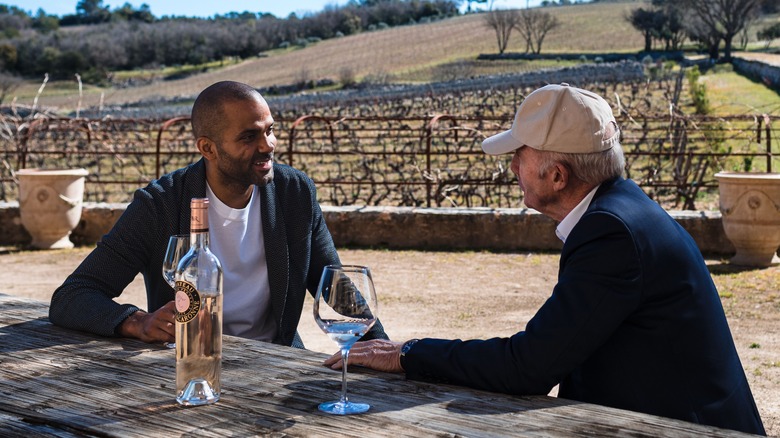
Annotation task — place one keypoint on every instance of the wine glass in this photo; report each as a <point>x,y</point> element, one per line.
<point>345,308</point>
<point>178,245</point>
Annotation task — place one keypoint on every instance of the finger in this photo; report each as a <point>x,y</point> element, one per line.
<point>167,317</point>
<point>157,329</point>
<point>333,359</point>
<point>167,311</point>
<point>169,329</point>
<point>165,333</point>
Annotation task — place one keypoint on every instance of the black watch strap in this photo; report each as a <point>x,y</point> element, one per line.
<point>405,349</point>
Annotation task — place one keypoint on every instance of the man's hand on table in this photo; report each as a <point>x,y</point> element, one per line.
<point>158,326</point>
<point>377,354</point>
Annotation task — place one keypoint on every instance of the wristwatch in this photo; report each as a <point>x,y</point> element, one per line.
<point>405,349</point>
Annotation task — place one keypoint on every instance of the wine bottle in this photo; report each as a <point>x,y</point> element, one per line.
<point>198,315</point>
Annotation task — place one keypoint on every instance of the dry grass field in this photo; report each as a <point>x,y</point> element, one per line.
<point>411,51</point>
<point>416,53</point>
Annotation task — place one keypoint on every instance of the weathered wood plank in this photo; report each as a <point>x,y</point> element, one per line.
<point>66,383</point>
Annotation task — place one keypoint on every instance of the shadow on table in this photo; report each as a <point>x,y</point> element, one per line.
<point>395,395</point>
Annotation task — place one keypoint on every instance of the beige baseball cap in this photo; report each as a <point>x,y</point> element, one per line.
<point>559,118</point>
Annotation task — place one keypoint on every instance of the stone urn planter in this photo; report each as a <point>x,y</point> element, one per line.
<point>50,203</point>
<point>750,210</point>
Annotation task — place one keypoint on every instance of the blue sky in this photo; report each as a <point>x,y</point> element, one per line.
<point>207,8</point>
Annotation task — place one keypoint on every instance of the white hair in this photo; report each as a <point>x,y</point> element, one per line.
<point>593,168</point>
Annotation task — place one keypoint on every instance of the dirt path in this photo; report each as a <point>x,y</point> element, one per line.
<point>474,295</point>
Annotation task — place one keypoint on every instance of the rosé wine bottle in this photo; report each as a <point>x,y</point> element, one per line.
<point>198,315</point>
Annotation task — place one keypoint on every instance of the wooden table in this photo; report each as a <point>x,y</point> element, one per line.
<point>55,381</point>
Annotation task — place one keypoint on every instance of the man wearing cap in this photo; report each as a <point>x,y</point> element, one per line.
<point>634,322</point>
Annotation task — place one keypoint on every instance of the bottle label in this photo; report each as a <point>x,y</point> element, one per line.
<point>187,301</point>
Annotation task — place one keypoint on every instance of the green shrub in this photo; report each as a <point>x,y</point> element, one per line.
<point>698,91</point>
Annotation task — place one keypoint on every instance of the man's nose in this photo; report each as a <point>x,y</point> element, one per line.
<point>266,144</point>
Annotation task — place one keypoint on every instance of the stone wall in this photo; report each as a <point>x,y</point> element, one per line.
<point>767,74</point>
<point>622,71</point>
<point>509,229</point>
<point>608,57</point>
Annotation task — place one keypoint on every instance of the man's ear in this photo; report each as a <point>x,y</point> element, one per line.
<point>206,147</point>
<point>560,176</point>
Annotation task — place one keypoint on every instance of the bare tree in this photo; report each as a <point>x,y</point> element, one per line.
<point>698,31</point>
<point>534,26</point>
<point>502,22</point>
<point>725,18</point>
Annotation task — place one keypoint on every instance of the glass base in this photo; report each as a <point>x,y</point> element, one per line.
<point>341,408</point>
<point>197,392</point>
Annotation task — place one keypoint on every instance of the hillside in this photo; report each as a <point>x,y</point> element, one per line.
<point>402,53</point>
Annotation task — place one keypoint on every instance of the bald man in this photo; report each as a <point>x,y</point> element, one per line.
<point>266,227</point>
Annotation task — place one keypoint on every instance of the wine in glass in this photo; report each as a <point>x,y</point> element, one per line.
<point>178,245</point>
<point>345,308</point>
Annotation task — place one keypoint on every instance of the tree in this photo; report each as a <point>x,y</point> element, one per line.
<point>770,6</point>
<point>671,28</point>
<point>8,83</point>
<point>45,23</point>
<point>645,21</point>
<point>769,33</point>
<point>502,22</point>
<point>92,11</point>
<point>534,26</point>
<point>469,2</point>
<point>89,7</point>
<point>8,56</point>
<point>128,13</point>
<point>724,19</point>
<point>698,31</point>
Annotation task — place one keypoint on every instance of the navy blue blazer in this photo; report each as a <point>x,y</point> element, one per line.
<point>634,322</point>
<point>297,242</point>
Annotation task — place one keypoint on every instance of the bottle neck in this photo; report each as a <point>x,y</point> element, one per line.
<point>199,225</point>
<point>199,239</point>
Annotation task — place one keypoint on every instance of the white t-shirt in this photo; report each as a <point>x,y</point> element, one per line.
<point>236,238</point>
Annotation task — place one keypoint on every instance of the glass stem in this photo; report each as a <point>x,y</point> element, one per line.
<point>344,357</point>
